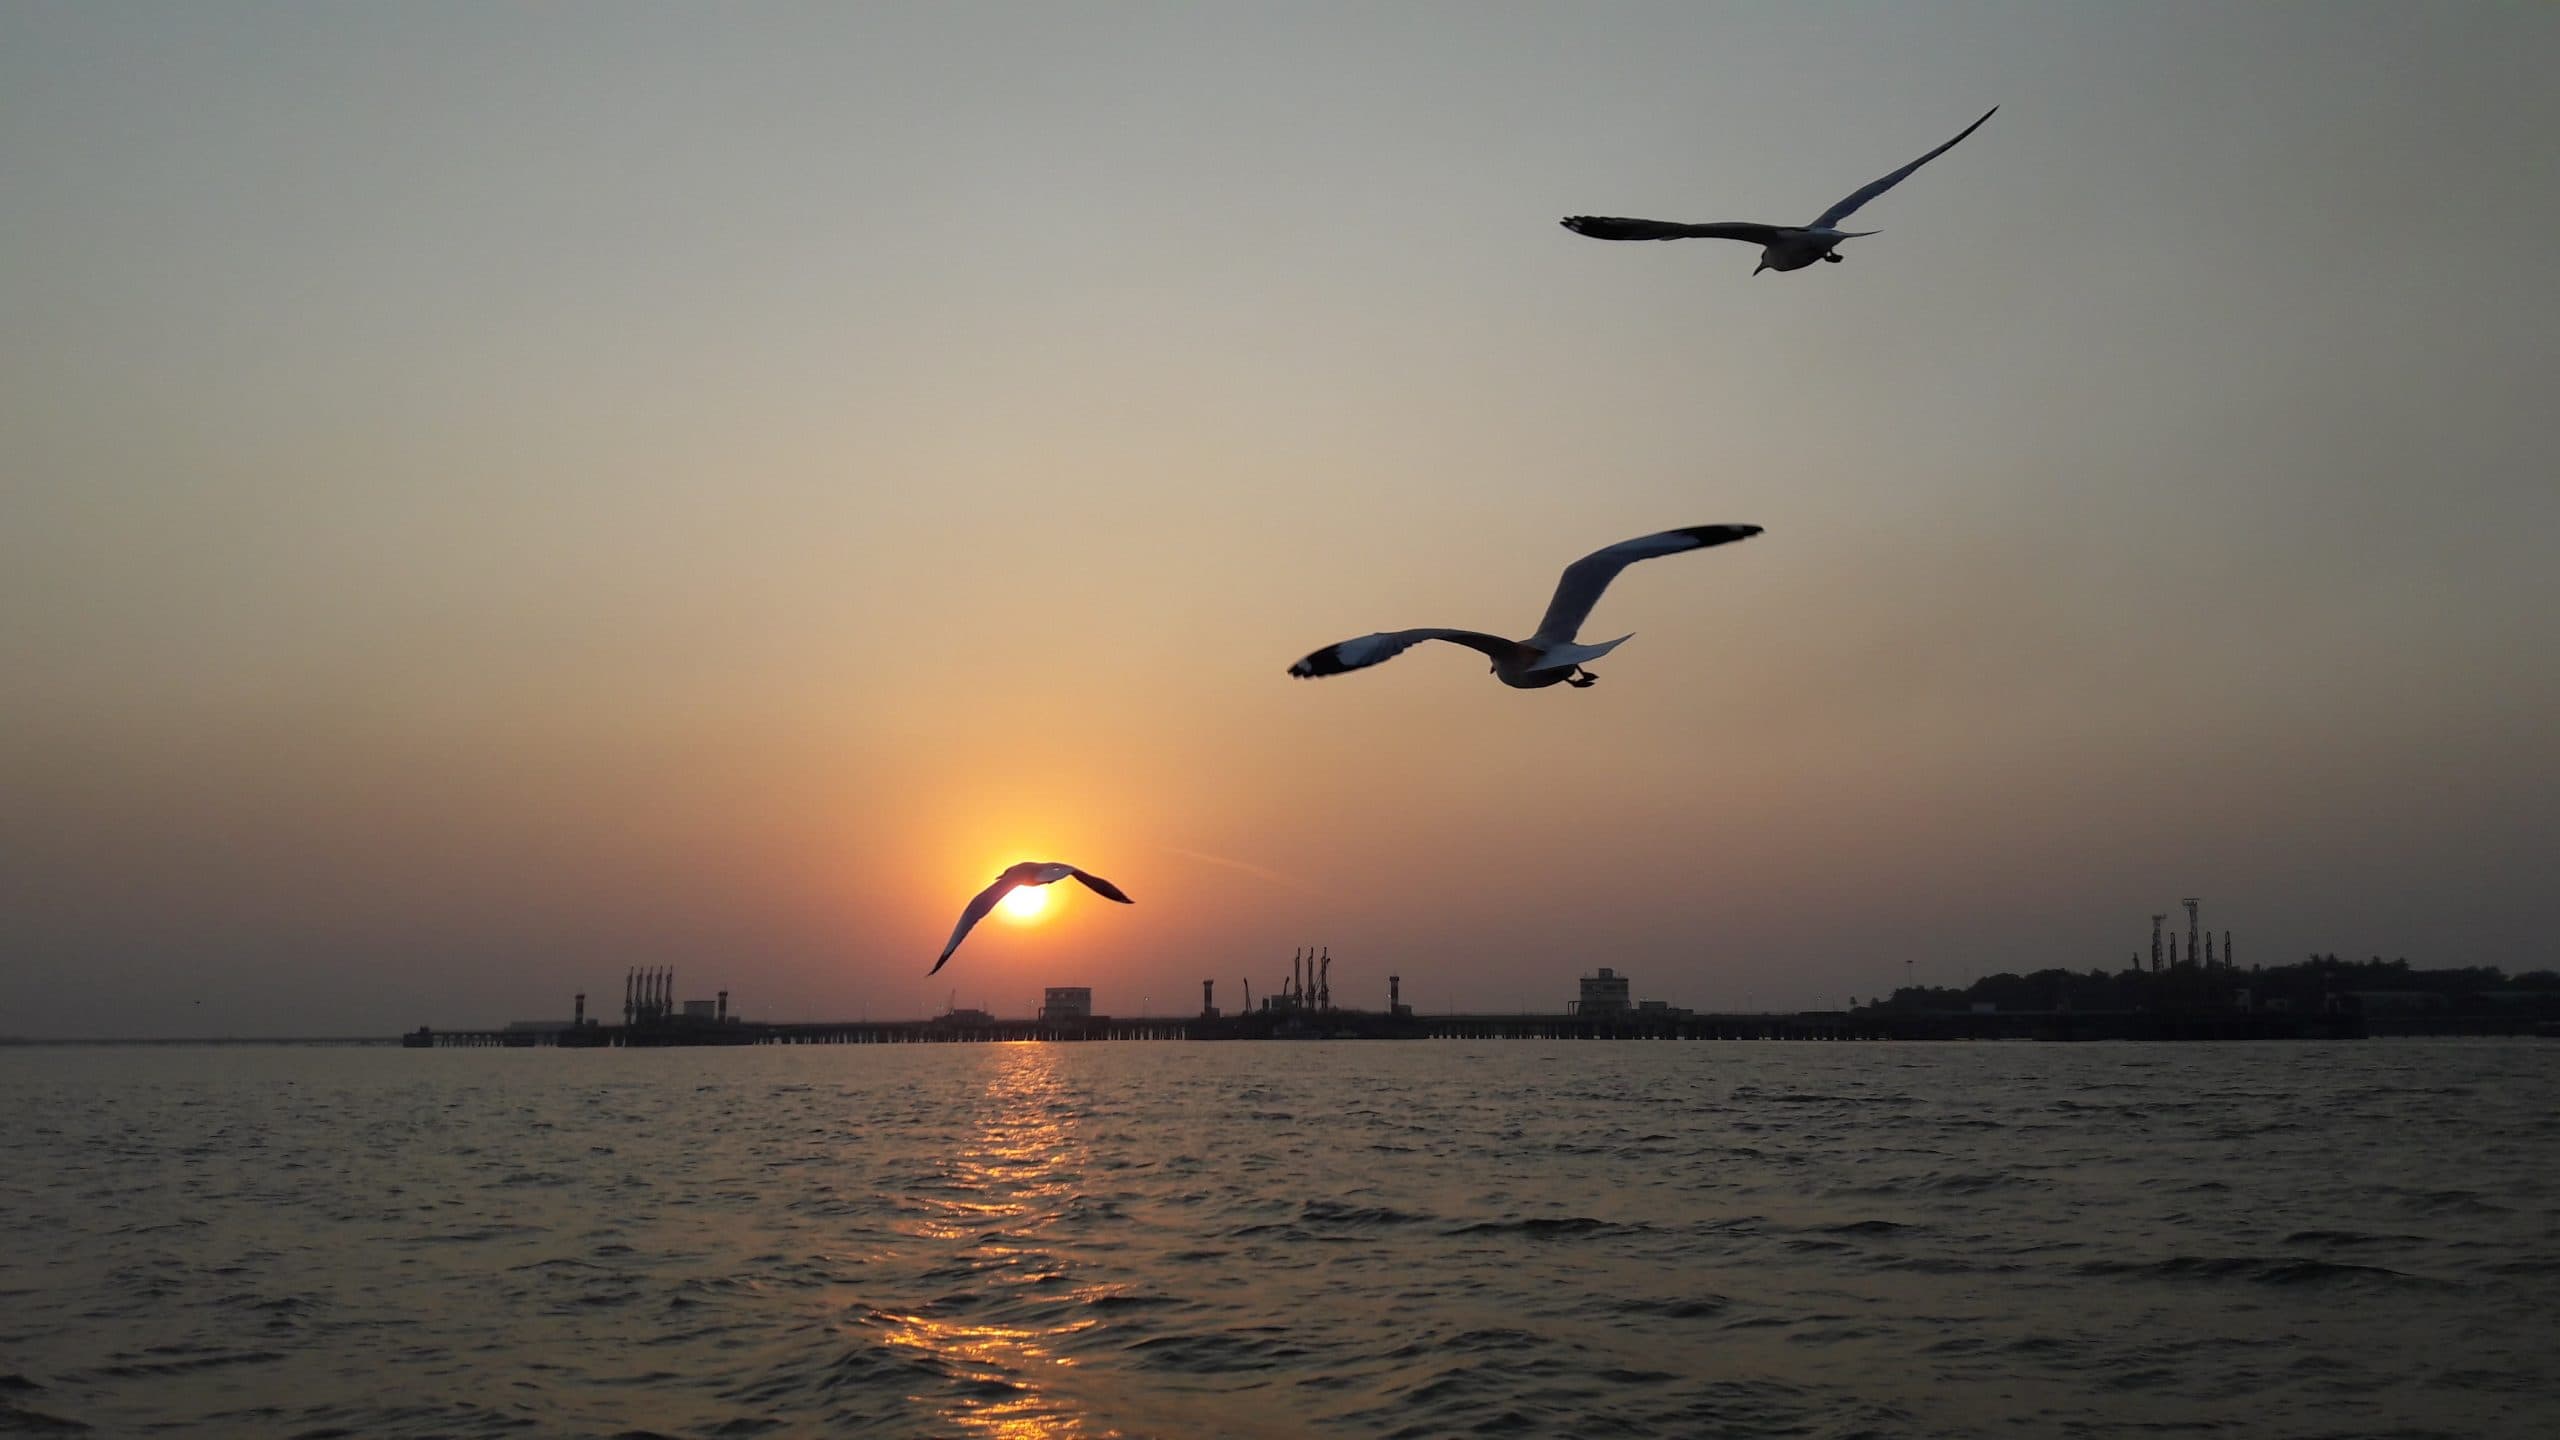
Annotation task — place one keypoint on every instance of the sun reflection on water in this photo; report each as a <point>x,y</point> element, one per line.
<point>997,1195</point>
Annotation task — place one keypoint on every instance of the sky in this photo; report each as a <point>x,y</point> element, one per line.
<point>493,495</point>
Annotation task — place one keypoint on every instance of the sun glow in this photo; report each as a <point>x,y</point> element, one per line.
<point>1025,902</point>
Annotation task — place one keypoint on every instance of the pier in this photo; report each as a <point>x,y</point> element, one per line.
<point>1831,1025</point>
<point>1301,1007</point>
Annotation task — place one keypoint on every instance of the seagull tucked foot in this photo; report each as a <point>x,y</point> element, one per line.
<point>1833,257</point>
<point>1581,679</point>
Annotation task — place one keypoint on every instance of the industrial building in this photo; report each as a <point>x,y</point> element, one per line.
<point>652,1015</point>
<point>1603,996</point>
<point>1067,1002</point>
<point>2199,944</point>
<point>1308,990</point>
<point>649,996</point>
<point>1607,995</point>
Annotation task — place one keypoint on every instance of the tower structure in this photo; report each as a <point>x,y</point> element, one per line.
<point>2195,951</point>
<point>2156,922</point>
<point>1324,980</point>
<point>2227,962</point>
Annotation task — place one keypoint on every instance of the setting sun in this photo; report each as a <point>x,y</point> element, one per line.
<point>1025,902</point>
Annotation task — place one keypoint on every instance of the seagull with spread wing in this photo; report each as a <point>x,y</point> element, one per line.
<point>1552,655</point>
<point>1029,872</point>
<point>1782,247</point>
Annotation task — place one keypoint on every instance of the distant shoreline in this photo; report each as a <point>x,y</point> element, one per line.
<point>2374,1030</point>
<point>36,1042</point>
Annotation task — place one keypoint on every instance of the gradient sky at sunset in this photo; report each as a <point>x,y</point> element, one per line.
<point>493,494</point>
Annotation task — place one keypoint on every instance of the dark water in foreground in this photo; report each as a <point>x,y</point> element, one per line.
<point>1357,1239</point>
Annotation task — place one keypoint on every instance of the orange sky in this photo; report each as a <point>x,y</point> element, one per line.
<point>500,497</point>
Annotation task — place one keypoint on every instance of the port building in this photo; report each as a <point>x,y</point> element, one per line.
<point>1603,995</point>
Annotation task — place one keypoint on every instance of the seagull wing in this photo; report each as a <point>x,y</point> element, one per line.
<point>1585,579</point>
<point>1848,207</point>
<point>1100,886</point>
<point>969,918</point>
<point>1386,644</point>
<point>1612,227</point>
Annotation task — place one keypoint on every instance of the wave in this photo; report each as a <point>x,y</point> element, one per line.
<point>2253,1269</point>
<point>1330,1212</point>
<point>1545,1227</point>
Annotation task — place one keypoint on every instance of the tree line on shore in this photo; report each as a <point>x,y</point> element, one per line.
<point>2312,983</point>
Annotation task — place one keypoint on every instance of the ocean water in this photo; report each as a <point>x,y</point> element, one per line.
<point>1340,1239</point>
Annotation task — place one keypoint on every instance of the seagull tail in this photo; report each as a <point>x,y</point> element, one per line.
<point>1580,654</point>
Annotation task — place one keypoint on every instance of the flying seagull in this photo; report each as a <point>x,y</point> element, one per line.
<point>1029,872</point>
<point>1552,654</point>
<point>1782,247</point>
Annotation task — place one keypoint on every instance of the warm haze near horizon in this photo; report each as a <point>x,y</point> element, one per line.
<point>496,495</point>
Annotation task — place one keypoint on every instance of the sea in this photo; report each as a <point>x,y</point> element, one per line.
<point>1358,1238</point>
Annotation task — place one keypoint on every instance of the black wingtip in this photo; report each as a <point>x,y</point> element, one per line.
<point>1720,534</point>
<point>1105,888</point>
<point>1327,661</point>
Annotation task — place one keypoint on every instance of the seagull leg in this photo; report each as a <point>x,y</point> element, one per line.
<point>1581,679</point>
<point>1832,256</point>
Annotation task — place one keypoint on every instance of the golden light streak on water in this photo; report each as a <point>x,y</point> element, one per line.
<point>1025,1156</point>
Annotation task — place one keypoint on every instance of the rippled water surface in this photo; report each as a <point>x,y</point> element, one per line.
<point>1354,1239</point>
